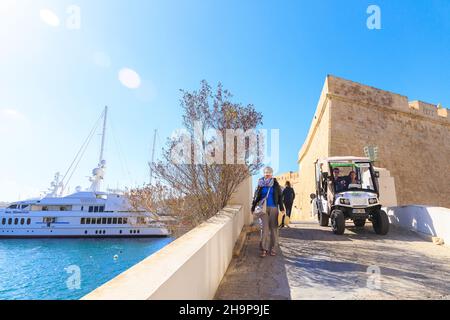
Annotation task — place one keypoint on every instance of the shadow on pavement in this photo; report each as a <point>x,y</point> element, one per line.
<point>250,277</point>
<point>318,259</point>
<point>351,233</point>
<point>313,263</point>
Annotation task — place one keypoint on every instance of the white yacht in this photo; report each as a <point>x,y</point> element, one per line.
<point>83,214</point>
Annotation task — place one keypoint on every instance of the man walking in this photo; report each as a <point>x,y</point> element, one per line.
<point>288,198</point>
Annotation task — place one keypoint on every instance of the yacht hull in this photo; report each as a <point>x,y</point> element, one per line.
<point>21,224</point>
<point>84,233</point>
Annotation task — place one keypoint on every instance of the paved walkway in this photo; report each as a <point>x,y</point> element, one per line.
<point>313,263</point>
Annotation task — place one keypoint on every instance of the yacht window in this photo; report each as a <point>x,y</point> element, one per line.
<point>99,220</point>
<point>24,206</point>
<point>96,209</point>
<point>141,220</point>
<point>13,206</point>
<point>109,220</point>
<point>49,220</point>
<point>101,209</point>
<point>91,208</point>
<point>16,220</point>
<point>88,220</point>
<point>28,221</point>
<point>9,221</point>
<point>125,220</point>
<point>82,208</point>
<point>57,208</point>
<point>120,221</point>
<point>4,221</point>
<point>103,220</point>
<point>114,220</point>
<point>22,221</point>
<point>83,221</point>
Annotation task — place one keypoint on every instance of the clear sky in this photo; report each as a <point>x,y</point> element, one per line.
<point>55,81</point>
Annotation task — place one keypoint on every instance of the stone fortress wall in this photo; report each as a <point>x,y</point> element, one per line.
<point>410,139</point>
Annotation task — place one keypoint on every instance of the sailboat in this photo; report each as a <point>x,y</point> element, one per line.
<point>91,213</point>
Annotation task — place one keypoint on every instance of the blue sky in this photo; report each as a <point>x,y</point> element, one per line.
<point>55,81</point>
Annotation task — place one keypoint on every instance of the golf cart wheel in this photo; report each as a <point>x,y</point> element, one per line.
<point>323,219</point>
<point>380,223</point>
<point>338,222</point>
<point>359,223</point>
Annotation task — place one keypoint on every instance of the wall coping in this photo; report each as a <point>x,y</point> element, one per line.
<point>411,113</point>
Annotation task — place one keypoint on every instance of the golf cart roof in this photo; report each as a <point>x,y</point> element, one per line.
<point>346,159</point>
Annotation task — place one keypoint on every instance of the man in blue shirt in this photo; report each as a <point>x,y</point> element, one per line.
<point>340,183</point>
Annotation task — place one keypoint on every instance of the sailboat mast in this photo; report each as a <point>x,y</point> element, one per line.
<point>153,157</point>
<point>103,134</point>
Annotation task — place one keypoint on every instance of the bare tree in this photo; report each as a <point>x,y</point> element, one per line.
<point>196,188</point>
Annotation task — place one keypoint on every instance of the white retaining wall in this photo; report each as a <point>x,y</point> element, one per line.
<point>190,267</point>
<point>432,221</point>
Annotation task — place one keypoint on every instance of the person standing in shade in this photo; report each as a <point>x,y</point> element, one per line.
<point>288,198</point>
<point>268,187</point>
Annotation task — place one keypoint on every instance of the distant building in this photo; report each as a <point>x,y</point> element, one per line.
<point>293,178</point>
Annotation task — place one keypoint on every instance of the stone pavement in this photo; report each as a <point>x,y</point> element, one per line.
<point>313,263</point>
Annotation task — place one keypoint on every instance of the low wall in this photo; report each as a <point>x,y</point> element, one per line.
<point>386,185</point>
<point>243,197</point>
<point>432,221</point>
<point>189,268</point>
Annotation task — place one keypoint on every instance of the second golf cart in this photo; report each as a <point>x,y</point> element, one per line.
<point>347,189</point>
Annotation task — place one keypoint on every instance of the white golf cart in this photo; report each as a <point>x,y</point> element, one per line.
<point>347,189</point>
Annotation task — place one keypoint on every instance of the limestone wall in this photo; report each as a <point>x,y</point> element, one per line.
<point>386,187</point>
<point>410,139</point>
<point>293,178</point>
<point>316,146</point>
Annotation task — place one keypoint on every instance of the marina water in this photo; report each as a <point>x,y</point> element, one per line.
<point>43,269</point>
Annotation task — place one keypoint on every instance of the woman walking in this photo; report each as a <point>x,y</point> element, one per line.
<point>269,190</point>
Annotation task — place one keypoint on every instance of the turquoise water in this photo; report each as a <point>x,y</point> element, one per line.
<point>41,269</point>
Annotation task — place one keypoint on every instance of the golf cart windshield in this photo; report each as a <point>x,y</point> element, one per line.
<point>354,176</point>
